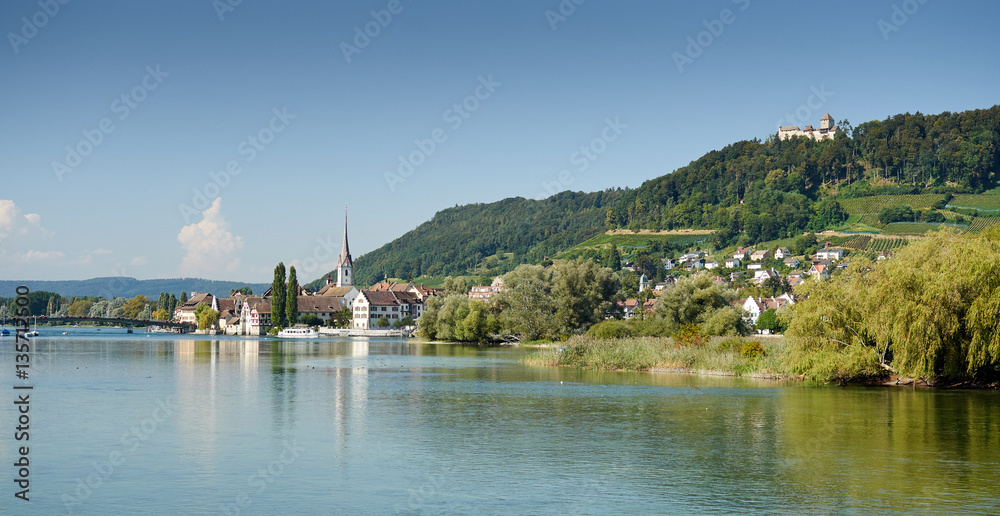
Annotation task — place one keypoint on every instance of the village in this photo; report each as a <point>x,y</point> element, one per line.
<point>341,308</point>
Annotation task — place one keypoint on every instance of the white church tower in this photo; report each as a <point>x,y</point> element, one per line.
<point>345,266</point>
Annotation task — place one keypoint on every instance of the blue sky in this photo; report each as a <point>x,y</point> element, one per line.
<point>163,105</point>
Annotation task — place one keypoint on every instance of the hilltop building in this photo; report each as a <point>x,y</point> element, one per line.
<point>826,130</point>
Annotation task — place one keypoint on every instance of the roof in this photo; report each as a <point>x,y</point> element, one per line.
<point>386,286</point>
<point>332,290</point>
<point>789,128</point>
<point>314,304</point>
<point>827,117</point>
<point>378,297</point>
<point>226,303</point>
<point>193,301</point>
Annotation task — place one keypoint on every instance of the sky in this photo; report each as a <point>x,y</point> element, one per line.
<point>213,139</point>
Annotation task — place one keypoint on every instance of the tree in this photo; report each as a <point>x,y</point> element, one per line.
<point>80,307</point>
<point>310,320</point>
<point>527,306</point>
<point>246,291</point>
<point>403,323</point>
<point>292,297</point>
<point>172,307</point>
<point>184,297</point>
<point>382,322</point>
<point>585,294</point>
<point>611,258</point>
<point>161,315</point>
<point>205,316</point>
<point>134,306</point>
<point>455,286</point>
<point>803,243</point>
<point>698,300</point>
<point>769,320</point>
<point>278,317</point>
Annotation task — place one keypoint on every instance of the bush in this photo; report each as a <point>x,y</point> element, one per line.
<point>610,329</point>
<point>751,349</point>
<point>731,343</point>
<point>689,335</point>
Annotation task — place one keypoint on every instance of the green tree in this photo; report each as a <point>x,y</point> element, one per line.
<point>278,318</point>
<point>172,306</point>
<point>585,294</point>
<point>205,316</point>
<point>134,306</point>
<point>184,297</point>
<point>382,322</point>
<point>527,306</point>
<point>769,320</point>
<point>292,297</point>
<point>698,300</point>
<point>80,307</point>
<point>611,258</point>
<point>161,315</point>
<point>403,323</point>
<point>310,320</point>
<point>246,291</point>
<point>455,286</point>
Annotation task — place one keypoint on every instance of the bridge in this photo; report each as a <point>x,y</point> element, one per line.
<point>184,327</point>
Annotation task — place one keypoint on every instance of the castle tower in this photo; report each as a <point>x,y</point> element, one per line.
<point>826,122</point>
<point>345,266</point>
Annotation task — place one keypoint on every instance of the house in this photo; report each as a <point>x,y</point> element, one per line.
<point>389,303</point>
<point>712,265</point>
<point>695,264</point>
<point>628,307</point>
<point>733,263</point>
<point>792,282</point>
<point>185,312</point>
<point>484,292</point>
<point>827,130</point>
<point>628,266</point>
<point>753,307</point>
<point>345,294</point>
<point>742,253</point>
<point>797,273</point>
<point>761,276</point>
<point>698,255</point>
<point>819,272</point>
<point>782,252</point>
<point>649,305</point>
<point>884,255</point>
<point>755,266</point>
<point>762,254</point>
<point>255,315</point>
<point>791,261</point>
<point>324,307</point>
<point>669,263</point>
<point>830,253</point>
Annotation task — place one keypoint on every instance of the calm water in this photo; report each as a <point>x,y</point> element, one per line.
<point>173,425</point>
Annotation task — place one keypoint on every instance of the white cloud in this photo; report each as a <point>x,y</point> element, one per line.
<point>11,220</point>
<point>208,245</point>
<point>138,260</point>
<point>38,256</point>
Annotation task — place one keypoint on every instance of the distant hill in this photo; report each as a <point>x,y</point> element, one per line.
<point>121,286</point>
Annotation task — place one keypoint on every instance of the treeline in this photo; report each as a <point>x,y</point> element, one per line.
<point>771,189</point>
<point>459,239</point>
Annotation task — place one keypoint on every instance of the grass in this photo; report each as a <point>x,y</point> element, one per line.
<point>913,228</point>
<point>719,355</point>
<point>872,205</point>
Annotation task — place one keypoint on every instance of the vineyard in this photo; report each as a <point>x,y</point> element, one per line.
<point>879,245</point>
<point>979,224</point>
<point>976,202</point>
<point>858,242</point>
<point>915,228</point>
<point>874,204</point>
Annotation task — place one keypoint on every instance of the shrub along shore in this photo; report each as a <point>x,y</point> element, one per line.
<point>757,357</point>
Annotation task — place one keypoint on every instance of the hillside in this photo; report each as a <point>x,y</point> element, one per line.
<point>128,287</point>
<point>750,191</point>
<point>762,190</point>
<point>458,239</point>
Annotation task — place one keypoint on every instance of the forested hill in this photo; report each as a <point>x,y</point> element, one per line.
<point>771,189</point>
<point>750,191</point>
<point>458,239</point>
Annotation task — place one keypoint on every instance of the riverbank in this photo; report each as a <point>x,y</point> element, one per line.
<point>761,356</point>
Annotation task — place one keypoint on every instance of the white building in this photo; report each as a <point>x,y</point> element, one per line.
<point>826,130</point>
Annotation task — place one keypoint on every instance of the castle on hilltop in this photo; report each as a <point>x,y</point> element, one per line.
<point>826,130</point>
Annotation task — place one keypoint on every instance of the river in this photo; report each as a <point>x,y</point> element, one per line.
<point>164,424</point>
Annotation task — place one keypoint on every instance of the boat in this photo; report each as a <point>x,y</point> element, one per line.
<point>298,333</point>
<point>4,332</point>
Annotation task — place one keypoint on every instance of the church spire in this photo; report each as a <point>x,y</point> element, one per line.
<point>345,266</point>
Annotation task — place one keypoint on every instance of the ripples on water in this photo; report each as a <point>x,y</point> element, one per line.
<point>384,426</point>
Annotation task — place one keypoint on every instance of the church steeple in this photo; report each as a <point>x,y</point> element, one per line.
<point>345,266</point>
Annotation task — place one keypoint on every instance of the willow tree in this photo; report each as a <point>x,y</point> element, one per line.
<point>932,310</point>
<point>699,300</point>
